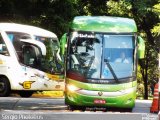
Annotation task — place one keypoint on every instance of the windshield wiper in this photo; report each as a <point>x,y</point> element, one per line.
<point>111,69</point>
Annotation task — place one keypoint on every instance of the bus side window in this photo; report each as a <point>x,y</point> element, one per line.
<point>29,55</point>
<point>3,47</point>
<point>17,45</point>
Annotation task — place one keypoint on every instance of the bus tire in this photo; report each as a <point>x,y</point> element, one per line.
<point>5,87</point>
<point>74,107</point>
<point>127,109</point>
<point>25,93</point>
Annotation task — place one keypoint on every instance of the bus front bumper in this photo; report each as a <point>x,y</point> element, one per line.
<point>88,98</point>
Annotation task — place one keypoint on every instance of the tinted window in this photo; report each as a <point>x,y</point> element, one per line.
<point>3,47</point>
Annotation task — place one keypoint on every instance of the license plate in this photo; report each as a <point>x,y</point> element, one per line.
<point>98,101</point>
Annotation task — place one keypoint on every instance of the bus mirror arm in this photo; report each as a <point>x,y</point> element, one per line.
<point>111,69</point>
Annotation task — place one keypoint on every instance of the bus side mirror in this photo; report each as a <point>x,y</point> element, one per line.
<point>40,45</point>
<point>3,49</point>
<point>63,43</point>
<point>141,48</point>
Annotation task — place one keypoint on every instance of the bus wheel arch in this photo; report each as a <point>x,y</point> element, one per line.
<point>5,87</point>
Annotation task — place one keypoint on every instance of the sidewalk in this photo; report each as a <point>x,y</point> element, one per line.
<point>142,106</point>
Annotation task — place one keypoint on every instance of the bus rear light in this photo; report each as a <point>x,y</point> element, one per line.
<point>72,88</point>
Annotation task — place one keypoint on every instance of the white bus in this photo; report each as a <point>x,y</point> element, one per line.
<point>29,60</point>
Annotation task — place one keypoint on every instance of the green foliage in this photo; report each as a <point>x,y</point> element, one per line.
<point>53,15</point>
<point>57,15</point>
<point>156,29</point>
<point>92,7</point>
<point>120,8</point>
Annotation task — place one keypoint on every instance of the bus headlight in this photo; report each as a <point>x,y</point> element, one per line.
<point>72,88</point>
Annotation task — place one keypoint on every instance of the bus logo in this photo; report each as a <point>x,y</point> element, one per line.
<point>100,93</point>
<point>27,84</point>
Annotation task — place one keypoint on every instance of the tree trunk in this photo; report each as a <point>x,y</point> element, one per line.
<point>144,69</point>
<point>146,76</point>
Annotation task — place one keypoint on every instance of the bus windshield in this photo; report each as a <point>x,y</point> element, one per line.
<point>30,55</point>
<point>101,56</point>
<point>52,61</point>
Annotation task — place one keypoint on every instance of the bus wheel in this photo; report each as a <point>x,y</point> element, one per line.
<point>26,93</point>
<point>4,87</point>
<point>73,107</point>
<point>127,110</point>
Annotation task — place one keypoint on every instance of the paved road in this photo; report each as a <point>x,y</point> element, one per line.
<point>18,103</point>
<point>17,108</point>
<point>15,103</point>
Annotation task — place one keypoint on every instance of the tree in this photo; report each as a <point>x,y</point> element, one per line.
<point>156,29</point>
<point>53,15</point>
<point>92,7</point>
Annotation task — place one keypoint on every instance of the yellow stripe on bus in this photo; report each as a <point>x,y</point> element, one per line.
<point>53,77</point>
<point>1,61</point>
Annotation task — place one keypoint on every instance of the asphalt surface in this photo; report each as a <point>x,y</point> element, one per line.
<point>17,108</point>
<point>18,103</point>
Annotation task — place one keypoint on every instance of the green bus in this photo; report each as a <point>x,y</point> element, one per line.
<point>101,62</point>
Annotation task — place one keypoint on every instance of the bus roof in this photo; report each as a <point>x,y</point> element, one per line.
<point>104,24</point>
<point>32,30</point>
